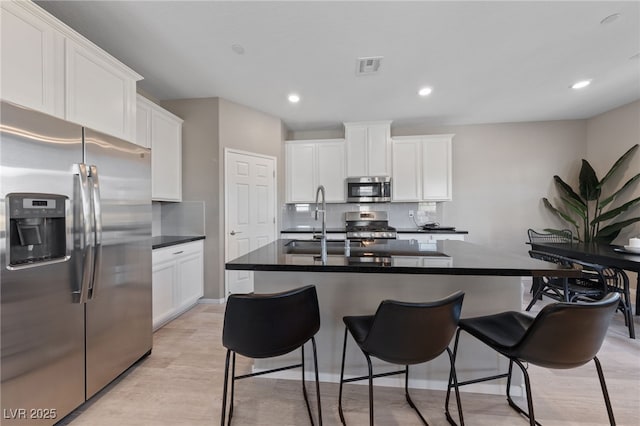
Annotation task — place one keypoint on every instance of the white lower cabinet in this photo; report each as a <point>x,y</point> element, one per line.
<point>178,280</point>
<point>309,236</point>
<point>426,238</point>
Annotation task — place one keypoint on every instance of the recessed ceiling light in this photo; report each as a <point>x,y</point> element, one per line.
<point>238,49</point>
<point>293,98</point>
<point>581,84</point>
<point>425,91</point>
<point>609,19</point>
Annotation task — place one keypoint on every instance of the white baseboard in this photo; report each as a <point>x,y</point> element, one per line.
<point>398,382</point>
<point>212,301</point>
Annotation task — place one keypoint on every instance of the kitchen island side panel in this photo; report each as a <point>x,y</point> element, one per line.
<point>342,294</point>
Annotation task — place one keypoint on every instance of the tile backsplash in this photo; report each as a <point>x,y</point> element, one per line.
<point>294,215</point>
<point>185,218</point>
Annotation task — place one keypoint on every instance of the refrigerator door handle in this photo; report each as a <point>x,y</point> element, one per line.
<point>97,212</point>
<point>86,238</point>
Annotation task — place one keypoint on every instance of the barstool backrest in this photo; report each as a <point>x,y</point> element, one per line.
<point>567,335</point>
<point>412,333</point>
<point>268,325</point>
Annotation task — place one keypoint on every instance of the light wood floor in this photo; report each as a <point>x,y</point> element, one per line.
<point>180,383</point>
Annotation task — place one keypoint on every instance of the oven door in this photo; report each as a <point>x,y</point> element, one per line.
<point>369,190</point>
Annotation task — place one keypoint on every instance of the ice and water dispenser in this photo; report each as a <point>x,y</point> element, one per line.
<point>37,226</point>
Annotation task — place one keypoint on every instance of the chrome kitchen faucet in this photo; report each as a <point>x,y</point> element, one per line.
<point>323,236</point>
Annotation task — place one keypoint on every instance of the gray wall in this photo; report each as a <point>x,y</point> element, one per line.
<point>500,174</point>
<point>200,177</point>
<point>610,135</point>
<point>210,126</point>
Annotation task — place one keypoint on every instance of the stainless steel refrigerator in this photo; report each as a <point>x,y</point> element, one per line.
<point>75,253</point>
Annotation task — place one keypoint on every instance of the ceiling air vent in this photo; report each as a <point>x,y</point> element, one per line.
<point>370,65</point>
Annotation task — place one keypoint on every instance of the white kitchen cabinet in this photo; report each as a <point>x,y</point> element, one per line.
<point>422,168</point>
<point>49,67</point>
<point>163,132</point>
<point>143,121</point>
<point>31,59</point>
<point>178,280</point>
<point>331,236</point>
<point>99,92</point>
<point>312,163</point>
<point>368,148</point>
<point>423,237</point>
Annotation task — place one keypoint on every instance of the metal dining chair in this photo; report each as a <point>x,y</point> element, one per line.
<point>561,336</point>
<point>404,333</point>
<point>562,236</point>
<point>269,325</point>
<point>589,286</point>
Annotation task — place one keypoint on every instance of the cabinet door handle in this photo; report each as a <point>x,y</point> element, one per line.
<point>178,252</point>
<point>234,232</point>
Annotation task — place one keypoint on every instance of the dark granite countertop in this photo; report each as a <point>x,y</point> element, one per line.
<point>172,240</point>
<point>446,257</point>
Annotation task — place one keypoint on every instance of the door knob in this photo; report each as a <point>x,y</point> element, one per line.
<point>234,232</point>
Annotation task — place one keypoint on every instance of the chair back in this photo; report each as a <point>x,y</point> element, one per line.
<point>567,335</point>
<point>412,333</point>
<point>562,236</point>
<point>268,325</point>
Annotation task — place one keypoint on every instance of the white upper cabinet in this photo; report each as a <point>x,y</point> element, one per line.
<point>31,58</point>
<point>313,163</point>
<point>163,130</point>
<point>422,168</point>
<point>100,92</point>
<point>49,67</point>
<point>143,122</point>
<point>368,148</point>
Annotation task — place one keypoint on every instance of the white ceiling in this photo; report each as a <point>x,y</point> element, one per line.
<point>487,62</point>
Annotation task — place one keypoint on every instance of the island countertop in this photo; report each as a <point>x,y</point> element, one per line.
<point>446,257</point>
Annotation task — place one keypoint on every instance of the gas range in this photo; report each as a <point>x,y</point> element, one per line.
<point>369,225</point>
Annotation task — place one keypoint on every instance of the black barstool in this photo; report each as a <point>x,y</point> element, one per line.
<point>405,334</point>
<point>269,325</point>
<point>561,336</point>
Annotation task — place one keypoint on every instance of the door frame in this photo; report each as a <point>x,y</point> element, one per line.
<point>228,151</point>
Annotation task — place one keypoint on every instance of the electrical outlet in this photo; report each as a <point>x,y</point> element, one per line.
<point>410,213</point>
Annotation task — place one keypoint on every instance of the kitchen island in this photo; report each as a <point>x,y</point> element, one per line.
<point>354,279</point>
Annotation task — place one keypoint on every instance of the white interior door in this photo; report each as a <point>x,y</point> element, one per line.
<point>250,212</point>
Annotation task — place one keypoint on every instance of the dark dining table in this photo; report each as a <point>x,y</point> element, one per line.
<point>601,254</point>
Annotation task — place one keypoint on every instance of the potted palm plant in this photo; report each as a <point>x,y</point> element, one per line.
<point>589,211</point>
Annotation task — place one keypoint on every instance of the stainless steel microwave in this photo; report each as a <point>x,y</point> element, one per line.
<point>369,189</point>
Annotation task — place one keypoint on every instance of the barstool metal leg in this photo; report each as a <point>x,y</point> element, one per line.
<point>527,384</point>
<point>233,383</point>
<point>408,397</point>
<point>344,350</point>
<point>454,378</point>
<point>605,393</point>
<point>370,388</point>
<point>224,389</point>
<point>315,363</point>
<point>455,354</point>
<point>304,388</point>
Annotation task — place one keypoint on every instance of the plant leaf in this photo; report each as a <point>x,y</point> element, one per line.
<point>618,163</point>
<point>569,191</point>
<point>562,214</point>
<point>615,212</point>
<point>579,209</point>
<point>589,184</point>
<point>610,232</point>
<point>606,201</point>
